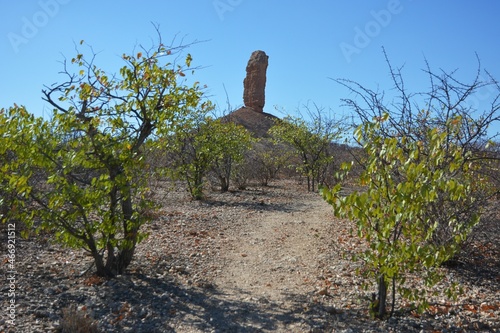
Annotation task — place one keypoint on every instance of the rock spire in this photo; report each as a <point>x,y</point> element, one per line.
<point>254,84</point>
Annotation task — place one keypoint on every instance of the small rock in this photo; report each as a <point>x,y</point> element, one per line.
<point>323,292</point>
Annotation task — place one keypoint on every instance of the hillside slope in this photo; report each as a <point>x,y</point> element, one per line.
<point>257,123</point>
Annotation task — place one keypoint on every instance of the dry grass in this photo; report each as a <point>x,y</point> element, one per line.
<point>77,321</point>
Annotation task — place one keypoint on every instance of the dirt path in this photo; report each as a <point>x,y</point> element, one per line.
<point>273,260</point>
<point>275,251</point>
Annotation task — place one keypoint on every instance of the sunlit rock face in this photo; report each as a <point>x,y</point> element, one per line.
<point>254,83</point>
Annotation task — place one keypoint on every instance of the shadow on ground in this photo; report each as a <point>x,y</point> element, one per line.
<point>162,306</point>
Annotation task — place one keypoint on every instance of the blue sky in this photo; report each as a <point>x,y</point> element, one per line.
<point>308,42</point>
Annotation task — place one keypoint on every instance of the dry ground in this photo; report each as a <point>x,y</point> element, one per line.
<point>266,259</point>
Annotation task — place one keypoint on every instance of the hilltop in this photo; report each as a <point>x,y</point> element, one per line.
<point>258,123</point>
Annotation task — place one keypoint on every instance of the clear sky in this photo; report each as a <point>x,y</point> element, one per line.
<point>308,42</point>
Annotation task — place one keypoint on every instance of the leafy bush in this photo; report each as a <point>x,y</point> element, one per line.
<point>91,193</point>
<point>232,142</point>
<point>404,179</point>
<point>206,145</point>
<point>311,140</point>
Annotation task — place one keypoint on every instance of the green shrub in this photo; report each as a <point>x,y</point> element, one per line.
<point>403,178</point>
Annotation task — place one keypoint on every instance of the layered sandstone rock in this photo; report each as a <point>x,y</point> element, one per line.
<point>254,83</point>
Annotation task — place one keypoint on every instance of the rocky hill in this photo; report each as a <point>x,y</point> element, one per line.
<point>257,123</point>
<point>252,115</point>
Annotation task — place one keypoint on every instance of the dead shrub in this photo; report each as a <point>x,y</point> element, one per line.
<point>77,321</point>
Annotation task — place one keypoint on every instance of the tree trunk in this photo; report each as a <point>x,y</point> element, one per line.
<point>382,297</point>
<point>130,229</point>
<point>101,267</point>
<point>223,171</point>
<point>393,296</point>
<point>110,261</point>
<point>123,259</point>
<point>117,262</point>
<point>197,191</point>
<point>224,184</point>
